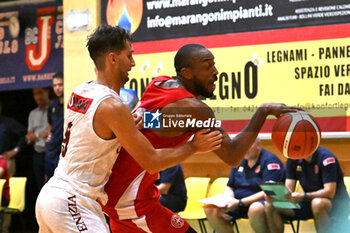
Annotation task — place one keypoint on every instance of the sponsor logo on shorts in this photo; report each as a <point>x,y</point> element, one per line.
<point>73,210</point>
<point>177,221</point>
<point>157,120</point>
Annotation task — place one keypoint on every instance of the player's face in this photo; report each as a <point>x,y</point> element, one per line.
<point>204,73</point>
<point>57,85</point>
<point>125,62</point>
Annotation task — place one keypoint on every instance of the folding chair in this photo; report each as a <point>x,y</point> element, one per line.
<point>197,188</point>
<point>17,197</point>
<point>2,183</point>
<point>218,186</point>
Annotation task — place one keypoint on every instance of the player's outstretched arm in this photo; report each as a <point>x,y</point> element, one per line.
<point>232,150</point>
<point>113,117</point>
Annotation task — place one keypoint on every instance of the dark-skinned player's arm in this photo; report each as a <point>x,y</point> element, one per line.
<point>232,150</point>
<point>114,117</point>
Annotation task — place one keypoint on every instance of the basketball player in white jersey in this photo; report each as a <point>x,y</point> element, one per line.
<point>97,124</point>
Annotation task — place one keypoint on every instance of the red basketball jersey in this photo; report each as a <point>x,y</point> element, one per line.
<point>131,190</point>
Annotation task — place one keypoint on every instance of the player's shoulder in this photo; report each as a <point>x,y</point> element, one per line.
<point>190,106</point>
<point>111,103</point>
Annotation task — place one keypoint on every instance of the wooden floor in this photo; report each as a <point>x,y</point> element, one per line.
<point>244,227</point>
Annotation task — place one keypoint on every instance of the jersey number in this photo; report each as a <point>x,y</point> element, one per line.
<point>66,139</point>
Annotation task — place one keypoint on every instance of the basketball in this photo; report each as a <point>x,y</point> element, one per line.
<point>296,135</point>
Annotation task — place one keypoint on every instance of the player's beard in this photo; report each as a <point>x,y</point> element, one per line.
<point>202,90</point>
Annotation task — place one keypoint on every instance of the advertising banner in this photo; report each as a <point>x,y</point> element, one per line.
<point>31,45</point>
<point>291,51</point>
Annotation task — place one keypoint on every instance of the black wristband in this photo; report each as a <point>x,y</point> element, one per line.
<point>240,203</point>
<point>306,197</point>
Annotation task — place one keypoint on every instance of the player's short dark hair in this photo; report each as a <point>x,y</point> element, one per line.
<point>105,39</point>
<point>183,57</point>
<point>59,74</point>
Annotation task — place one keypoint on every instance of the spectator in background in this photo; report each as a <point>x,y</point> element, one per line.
<point>38,132</point>
<point>325,197</point>
<point>172,188</point>
<point>12,140</point>
<point>55,121</point>
<point>243,189</point>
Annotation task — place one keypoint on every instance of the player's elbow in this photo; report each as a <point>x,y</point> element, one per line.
<point>150,167</point>
<point>232,161</point>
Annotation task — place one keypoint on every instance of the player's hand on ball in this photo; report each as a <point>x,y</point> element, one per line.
<point>277,109</point>
<point>205,141</point>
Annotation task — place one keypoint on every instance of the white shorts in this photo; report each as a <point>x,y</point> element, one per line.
<point>59,210</point>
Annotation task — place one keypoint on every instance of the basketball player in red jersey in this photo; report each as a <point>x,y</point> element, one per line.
<point>133,204</point>
<point>97,125</point>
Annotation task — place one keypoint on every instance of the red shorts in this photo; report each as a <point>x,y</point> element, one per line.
<point>157,220</point>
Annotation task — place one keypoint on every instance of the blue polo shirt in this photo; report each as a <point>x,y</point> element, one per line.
<point>245,180</point>
<point>55,119</point>
<point>12,134</point>
<point>175,176</point>
<point>323,168</point>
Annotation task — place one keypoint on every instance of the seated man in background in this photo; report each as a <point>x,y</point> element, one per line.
<point>324,196</point>
<point>258,165</point>
<point>172,188</point>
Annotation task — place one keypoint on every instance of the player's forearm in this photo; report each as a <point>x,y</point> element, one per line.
<point>241,143</point>
<point>168,157</point>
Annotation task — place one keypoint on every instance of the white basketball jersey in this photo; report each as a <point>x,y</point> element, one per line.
<point>86,160</point>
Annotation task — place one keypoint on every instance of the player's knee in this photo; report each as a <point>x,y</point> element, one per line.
<point>256,209</point>
<point>320,205</point>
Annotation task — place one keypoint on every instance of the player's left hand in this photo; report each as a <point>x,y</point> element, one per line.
<point>206,141</point>
<point>138,120</point>
<point>277,109</point>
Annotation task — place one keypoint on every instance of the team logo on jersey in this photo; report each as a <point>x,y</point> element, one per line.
<point>177,221</point>
<point>151,120</point>
<point>240,169</point>
<point>78,103</point>
<point>328,161</point>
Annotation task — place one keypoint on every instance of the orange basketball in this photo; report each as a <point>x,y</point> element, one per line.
<point>296,134</point>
